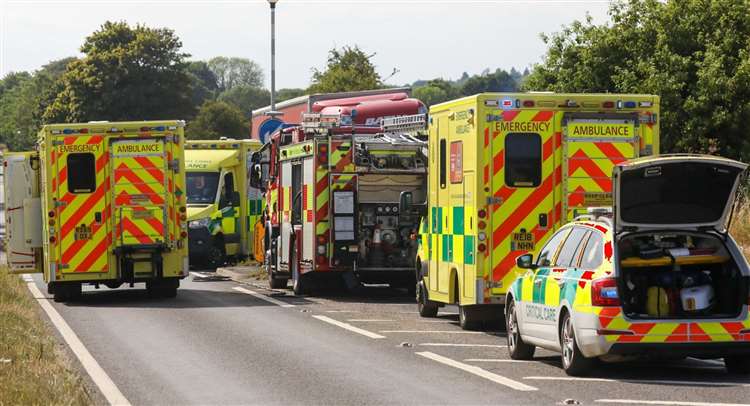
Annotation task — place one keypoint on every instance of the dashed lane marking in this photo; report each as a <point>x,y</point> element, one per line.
<point>371,320</point>
<point>666,402</point>
<point>463,345</point>
<point>263,297</point>
<point>478,372</point>
<point>496,360</point>
<point>640,381</point>
<point>105,384</point>
<point>349,327</point>
<point>431,332</point>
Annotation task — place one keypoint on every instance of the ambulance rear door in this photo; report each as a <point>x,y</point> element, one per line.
<point>79,182</point>
<point>140,169</point>
<point>524,172</point>
<point>23,237</point>
<point>593,144</point>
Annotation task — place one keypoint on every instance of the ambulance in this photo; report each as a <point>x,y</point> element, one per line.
<point>222,207</point>
<point>100,203</point>
<point>505,171</point>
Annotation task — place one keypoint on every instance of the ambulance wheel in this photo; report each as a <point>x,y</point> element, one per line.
<point>215,256</point>
<point>516,347</point>
<point>426,307</point>
<point>298,285</point>
<point>737,364</point>
<point>573,361</point>
<point>467,318</point>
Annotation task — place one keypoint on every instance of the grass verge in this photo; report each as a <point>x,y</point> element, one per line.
<point>34,370</point>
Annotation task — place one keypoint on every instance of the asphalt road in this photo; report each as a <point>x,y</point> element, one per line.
<point>218,344</point>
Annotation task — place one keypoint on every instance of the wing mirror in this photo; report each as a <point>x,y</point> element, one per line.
<point>526,261</point>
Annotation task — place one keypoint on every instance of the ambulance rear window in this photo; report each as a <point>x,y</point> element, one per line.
<point>523,160</point>
<point>81,173</point>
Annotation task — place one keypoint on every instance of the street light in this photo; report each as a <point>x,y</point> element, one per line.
<point>273,111</point>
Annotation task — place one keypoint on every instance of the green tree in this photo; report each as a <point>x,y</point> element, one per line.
<point>289,93</point>
<point>246,98</point>
<point>499,81</point>
<point>217,119</point>
<point>695,54</point>
<point>430,95</point>
<point>204,82</point>
<point>128,73</point>
<point>231,72</point>
<point>348,69</point>
<point>23,97</point>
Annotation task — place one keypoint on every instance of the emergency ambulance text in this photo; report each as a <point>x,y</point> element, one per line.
<point>522,126</point>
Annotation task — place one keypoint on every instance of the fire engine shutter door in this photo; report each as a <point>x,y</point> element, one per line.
<point>593,146</point>
<point>20,187</point>
<point>80,178</point>
<point>140,191</point>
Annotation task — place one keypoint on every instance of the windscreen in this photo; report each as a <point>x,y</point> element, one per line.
<point>201,187</point>
<point>676,193</point>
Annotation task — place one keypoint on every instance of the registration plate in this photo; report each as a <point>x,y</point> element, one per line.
<point>522,241</point>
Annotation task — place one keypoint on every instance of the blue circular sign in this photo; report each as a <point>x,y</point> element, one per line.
<point>268,127</point>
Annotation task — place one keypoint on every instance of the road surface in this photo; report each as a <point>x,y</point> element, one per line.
<point>220,342</point>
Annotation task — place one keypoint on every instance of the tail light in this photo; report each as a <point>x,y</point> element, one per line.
<point>52,239</point>
<point>183,217</point>
<point>51,222</point>
<point>182,209</point>
<point>482,213</point>
<point>481,247</point>
<point>322,154</point>
<point>604,292</point>
<point>482,225</point>
<point>183,234</point>
<point>51,213</point>
<point>322,240</point>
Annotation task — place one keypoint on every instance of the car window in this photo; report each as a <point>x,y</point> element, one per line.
<point>592,256</point>
<point>570,247</point>
<point>549,250</point>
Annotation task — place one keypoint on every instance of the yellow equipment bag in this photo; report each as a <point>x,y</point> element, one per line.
<point>657,302</point>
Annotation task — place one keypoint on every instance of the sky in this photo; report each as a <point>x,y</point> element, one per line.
<point>421,39</point>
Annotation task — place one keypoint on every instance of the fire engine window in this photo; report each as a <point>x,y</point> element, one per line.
<point>442,163</point>
<point>523,160</point>
<point>81,173</point>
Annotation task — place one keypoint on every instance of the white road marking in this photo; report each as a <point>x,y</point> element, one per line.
<point>495,360</point>
<point>666,402</point>
<point>27,278</point>
<point>431,332</point>
<point>640,381</point>
<point>349,327</point>
<point>462,345</point>
<point>263,297</point>
<point>198,275</point>
<point>436,321</point>
<point>371,320</point>
<point>478,372</point>
<point>105,384</point>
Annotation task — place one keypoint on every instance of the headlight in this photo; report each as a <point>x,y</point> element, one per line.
<point>200,223</point>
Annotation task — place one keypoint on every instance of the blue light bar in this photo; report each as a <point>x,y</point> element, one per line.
<point>629,104</point>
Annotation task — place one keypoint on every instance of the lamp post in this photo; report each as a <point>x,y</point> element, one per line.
<point>272,112</point>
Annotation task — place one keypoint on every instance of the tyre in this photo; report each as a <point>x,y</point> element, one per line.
<point>273,281</point>
<point>215,256</point>
<point>162,288</point>
<point>426,307</point>
<point>298,286</point>
<point>467,318</point>
<point>737,364</point>
<point>516,347</point>
<point>573,361</point>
